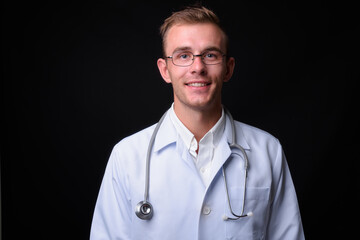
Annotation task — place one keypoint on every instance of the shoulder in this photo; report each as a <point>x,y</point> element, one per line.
<point>137,144</point>
<point>136,141</point>
<point>256,137</point>
<point>253,131</point>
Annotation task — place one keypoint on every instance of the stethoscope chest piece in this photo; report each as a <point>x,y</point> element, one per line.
<point>144,210</point>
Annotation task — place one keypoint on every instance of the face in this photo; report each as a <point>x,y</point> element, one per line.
<point>197,86</point>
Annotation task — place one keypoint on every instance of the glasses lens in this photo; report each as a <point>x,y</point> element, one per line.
<point>182,58</point>
<point>212,57</point>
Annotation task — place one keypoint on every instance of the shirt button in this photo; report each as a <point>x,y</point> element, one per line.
<point>203,170</point>
<point>206,210</point>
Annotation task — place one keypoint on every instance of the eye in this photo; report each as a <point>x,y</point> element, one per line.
<point>211,55</point>
<point>184,56</point>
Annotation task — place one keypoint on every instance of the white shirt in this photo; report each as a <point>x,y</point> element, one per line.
<point>207,145</point>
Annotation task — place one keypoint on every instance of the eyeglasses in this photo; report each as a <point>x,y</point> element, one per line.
<point>185,58</point>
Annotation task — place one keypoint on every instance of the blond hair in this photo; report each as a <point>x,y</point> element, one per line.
<point>190,15</point>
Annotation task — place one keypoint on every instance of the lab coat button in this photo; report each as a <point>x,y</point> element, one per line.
<point>206,210</point>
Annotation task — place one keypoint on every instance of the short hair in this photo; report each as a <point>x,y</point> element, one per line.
<point>190,15</point>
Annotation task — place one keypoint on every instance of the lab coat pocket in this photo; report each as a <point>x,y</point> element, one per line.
<point>256,202</point>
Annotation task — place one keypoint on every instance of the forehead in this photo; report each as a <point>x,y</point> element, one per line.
<point>195,37</point>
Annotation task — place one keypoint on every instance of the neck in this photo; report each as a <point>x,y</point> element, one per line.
<point>198,121</point>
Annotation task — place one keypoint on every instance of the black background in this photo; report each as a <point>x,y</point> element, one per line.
<point>79,76</point>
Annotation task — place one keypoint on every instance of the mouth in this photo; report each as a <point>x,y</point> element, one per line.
<point>197,84</point>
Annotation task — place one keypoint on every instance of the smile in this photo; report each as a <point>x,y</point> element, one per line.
<point>197,84</point>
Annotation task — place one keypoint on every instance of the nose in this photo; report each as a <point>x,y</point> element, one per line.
<point>198,65</point>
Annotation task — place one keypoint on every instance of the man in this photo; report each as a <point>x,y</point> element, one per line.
<point>191,157</point>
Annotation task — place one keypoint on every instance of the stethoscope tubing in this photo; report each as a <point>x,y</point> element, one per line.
<point>144,209</point>
<point>148,156</point>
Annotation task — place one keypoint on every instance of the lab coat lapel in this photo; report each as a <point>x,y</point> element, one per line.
<point>224,150</point>
<point>220,157</point>
<point>187,158</point>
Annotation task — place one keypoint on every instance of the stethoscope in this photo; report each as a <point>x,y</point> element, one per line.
<point>144,210</point>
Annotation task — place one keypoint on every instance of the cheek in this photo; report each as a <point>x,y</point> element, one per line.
<point>218,73</point>
<point>176,73</point>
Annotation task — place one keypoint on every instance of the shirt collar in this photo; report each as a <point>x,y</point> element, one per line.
<point>167,133</point>
<point>214,134</point>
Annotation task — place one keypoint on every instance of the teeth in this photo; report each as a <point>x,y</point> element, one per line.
<point>197,84</point>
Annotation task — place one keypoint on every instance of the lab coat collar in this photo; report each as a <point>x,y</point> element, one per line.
<point>240,136</point>
<point>167,134</point>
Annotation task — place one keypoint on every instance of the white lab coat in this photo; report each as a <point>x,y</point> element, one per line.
<point>183,207</point>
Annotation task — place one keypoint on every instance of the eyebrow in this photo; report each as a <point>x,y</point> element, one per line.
<point>182,49</point>
<point>185,48</point>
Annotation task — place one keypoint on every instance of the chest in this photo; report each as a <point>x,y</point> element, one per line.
<point>185,206</point>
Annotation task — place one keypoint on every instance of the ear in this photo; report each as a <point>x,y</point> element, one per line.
<point>163,69</point>
<point>230,65</point>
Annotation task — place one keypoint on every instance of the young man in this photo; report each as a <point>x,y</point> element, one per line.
<point>200,185</point>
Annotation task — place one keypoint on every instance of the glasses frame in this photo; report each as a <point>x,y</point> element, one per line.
<point>196,55</point>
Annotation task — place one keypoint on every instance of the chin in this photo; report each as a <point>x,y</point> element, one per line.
<point>203,105</point>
